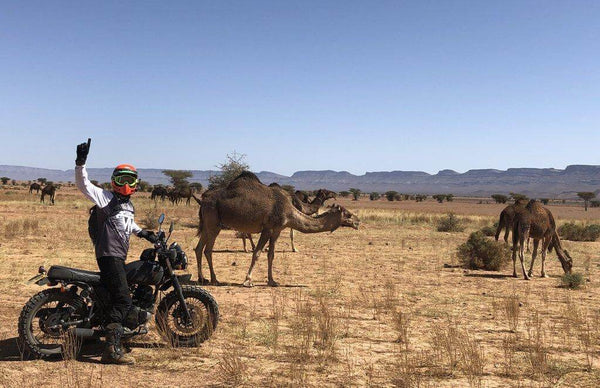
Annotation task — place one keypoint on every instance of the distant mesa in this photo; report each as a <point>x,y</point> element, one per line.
<point>447,173</point>
<point>533,182</point>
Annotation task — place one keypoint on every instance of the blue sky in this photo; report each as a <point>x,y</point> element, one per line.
<point>348,85</point>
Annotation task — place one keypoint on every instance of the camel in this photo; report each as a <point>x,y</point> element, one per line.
<point>36,187</point>
<point>537,222</point>
<point>302,195</point>
<point>185,193</point>
<point>49,190</point>
<point>301,202</point>
<point>248,206</point>
<point>158,192</point>
<point>173,195</point>
<point>506,220</point>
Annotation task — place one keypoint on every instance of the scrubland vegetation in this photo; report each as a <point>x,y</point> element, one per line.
<point>391,304</point>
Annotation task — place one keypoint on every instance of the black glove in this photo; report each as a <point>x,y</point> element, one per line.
<point>82,152</point>
<point>148,235</point>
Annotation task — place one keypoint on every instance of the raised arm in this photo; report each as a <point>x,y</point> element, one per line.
<point>95,194</point>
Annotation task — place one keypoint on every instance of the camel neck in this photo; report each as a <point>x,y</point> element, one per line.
<point>329,221</point>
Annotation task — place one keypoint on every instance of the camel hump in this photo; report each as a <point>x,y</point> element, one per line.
<point>274,184</point>
<point>247,175</point>
<point>531,204</point>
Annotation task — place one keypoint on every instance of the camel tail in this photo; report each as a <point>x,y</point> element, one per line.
<point>197,199</point>
<point>516,232</point>
<point>501,225</point>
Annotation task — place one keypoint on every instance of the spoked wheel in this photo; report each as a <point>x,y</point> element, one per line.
<point>42,332</point>
<point>176,328</point>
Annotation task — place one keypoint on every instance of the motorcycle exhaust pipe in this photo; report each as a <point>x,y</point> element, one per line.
<point>86,333</point>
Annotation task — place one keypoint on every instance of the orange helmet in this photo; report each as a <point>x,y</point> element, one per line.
<point>124,179</point>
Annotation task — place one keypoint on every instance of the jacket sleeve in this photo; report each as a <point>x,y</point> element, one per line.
<point>135,228</point>
<point>97,195</point>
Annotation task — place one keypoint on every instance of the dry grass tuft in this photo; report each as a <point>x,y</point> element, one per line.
<point>512,312</point>
<point>231,371</point>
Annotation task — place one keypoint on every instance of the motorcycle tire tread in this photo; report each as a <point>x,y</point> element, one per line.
<point>28,348</point>
<point>202,295</point>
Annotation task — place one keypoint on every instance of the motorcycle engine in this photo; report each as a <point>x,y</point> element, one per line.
<point>143,297</point>
<point>143,307</point>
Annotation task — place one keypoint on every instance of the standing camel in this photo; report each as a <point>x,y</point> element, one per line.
<point>537,222</point>
<point>48,190</point>
<point>186,193</point>
<point>507,216</point>
<point>36,187</point>
<point>158,192</point>
<point>300,202</point>
<point>248,206</point>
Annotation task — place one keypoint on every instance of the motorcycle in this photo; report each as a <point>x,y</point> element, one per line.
<point>185,316</point>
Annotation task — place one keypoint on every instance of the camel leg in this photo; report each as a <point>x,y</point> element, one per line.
<point>506,234</point>
<point>514,259</point>
<point>251,242</point>
<point>292,240</point>
<point>545,244</point>
<point>270,257</point>
<point>533,256</point>
<point>210,243</point>
<point>198,250</point>
<point>528,250</point>
<point>522,257</point>
<point>264,237</point>
<point>244,243</point>
<point>499,230</point>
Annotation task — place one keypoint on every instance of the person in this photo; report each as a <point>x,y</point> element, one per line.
<point>114,224</point>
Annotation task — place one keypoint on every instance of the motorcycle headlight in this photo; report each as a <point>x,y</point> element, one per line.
<point>178,257</point>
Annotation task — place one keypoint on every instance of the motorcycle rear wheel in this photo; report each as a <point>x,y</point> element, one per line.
<point>171,322</point>
<point>40,334</point>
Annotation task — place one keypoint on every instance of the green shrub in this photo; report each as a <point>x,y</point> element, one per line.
<point>374,196</point>
<point>479,252</point>
<point>450,223</point>
<point>575,232</point>
<point>488,230</point>
<point>391,195</point>
<point>572,280</point>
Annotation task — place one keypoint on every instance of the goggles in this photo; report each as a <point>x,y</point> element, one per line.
<point>125,179</point>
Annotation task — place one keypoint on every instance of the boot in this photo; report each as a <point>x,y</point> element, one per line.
<point>113,353</point>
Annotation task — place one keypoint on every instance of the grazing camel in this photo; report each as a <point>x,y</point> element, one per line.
<point>307,207</point>
<point>507,216</point>
<point>49,190</point>
<point>537,222</point>
<point>248,206</point>
<point>36,187</point>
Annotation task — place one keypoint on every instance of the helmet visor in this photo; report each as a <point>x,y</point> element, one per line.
<point>125,179</point>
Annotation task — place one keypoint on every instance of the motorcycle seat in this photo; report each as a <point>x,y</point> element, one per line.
<point>58,272</point>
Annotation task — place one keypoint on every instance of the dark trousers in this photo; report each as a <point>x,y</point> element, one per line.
<point>114,278</point>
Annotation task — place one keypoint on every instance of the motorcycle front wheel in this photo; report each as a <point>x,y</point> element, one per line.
<point>41,330</point>
<point>173,325</point>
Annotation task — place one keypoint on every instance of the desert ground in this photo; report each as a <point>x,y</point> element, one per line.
<point>385,305</point>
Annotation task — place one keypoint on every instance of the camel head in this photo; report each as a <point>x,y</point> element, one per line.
<point>347,218</point>
<point>326,194</point>
<point>566,261</point>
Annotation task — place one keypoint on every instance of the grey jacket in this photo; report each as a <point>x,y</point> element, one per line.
<point>115,217</point>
